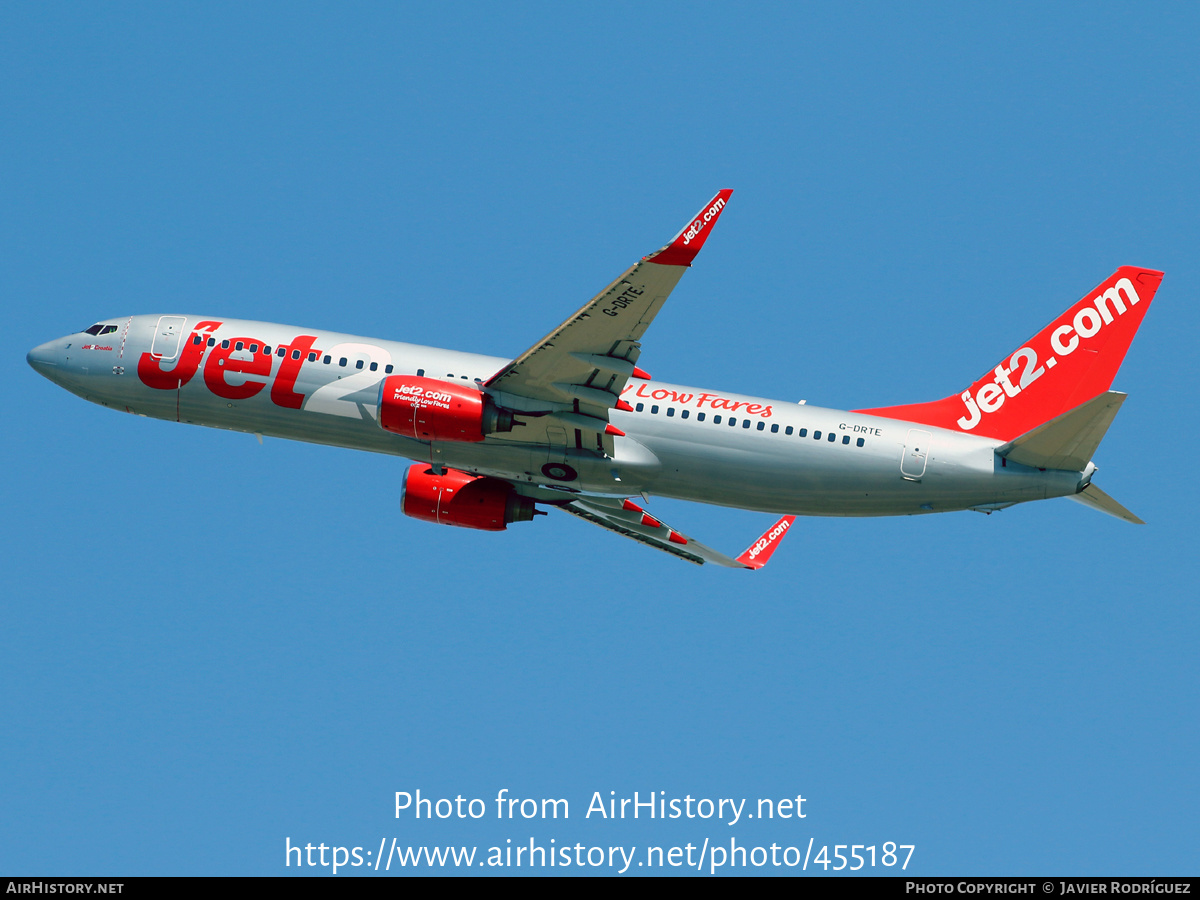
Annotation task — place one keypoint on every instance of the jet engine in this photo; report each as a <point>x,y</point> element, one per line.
<point>432,410</point>
<point>468,501</point>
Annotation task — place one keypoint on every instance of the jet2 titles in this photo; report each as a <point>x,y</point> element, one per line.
<point>1065,339</point>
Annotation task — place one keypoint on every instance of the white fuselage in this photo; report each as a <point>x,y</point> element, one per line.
<point>683,442</point>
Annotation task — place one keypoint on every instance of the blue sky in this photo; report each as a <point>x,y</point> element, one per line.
<point>209,646</point>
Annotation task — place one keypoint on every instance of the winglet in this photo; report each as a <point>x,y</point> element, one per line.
<point>683,249</point>
<point>759,553</point>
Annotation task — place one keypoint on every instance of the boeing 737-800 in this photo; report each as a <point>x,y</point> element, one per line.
<point>575,424</point>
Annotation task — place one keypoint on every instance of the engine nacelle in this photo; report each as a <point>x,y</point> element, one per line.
<point>432,410</point>
<point>468,501</point>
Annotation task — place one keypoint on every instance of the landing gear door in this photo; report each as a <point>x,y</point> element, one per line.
<point>916,451</point>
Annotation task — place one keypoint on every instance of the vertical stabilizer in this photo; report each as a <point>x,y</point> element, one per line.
<point>1064,365</point>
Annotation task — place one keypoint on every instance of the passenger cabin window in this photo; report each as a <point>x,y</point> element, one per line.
<point>374,367</point>
<point>326,360</point>
<point>846,439</point>
<point>654,410</point>
<point>860,442</point>
<point>804,432</point>
<point>683,413</point>
<point>238,346</point>
<point>832,437</point>
<point>254,348</point>
<point>342,362</point>
<point>312,357</point>
<point>388,370</point>
<point>359,364</point>
<point>716,420</point>
<point>700,417</point>
<point>670,411</point>
<point>420,373</point>
<point>640,407</point>
<point>295,354</point>
<point>816,435</point>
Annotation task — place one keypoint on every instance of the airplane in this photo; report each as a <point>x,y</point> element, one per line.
<point>575,424</point>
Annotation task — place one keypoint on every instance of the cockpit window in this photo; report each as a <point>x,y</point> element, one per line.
<point>100,328</point>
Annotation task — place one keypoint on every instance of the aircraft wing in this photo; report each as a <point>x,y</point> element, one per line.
<point>583,364</point>
<point>629,519</point>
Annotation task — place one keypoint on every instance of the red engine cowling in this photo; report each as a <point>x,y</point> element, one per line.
<point>468,501</point>
<point>432,410</point>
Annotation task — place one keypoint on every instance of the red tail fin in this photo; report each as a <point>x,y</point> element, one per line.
<point>1067,363</point>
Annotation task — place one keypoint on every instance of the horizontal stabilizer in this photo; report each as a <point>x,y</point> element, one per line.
<point>1068,441</point>
<point>1095,498</point>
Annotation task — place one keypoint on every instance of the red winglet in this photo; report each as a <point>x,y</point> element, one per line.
<point>613,430</point>
<point>758,553</point>
<point>631,506</point>
<point>683,249</point>
<point>650,522</point>
<point>677,538</point>
<point>623,406</point>
<point>642,374</point>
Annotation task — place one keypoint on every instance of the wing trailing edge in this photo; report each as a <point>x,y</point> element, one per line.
<point>628,519</point>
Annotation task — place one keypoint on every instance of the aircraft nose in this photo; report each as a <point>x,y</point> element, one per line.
<point>44,358</point>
